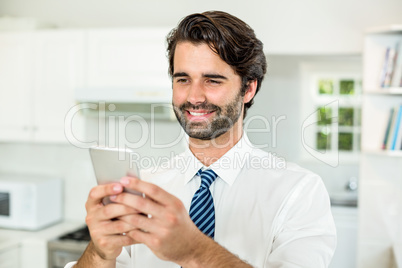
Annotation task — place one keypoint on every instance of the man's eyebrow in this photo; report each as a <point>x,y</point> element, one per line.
<point>218,76</point>
<point>180,74</point>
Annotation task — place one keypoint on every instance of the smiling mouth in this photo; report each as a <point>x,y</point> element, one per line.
<point>198,114</point>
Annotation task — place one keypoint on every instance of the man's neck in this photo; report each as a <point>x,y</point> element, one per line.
<point>209,151</point>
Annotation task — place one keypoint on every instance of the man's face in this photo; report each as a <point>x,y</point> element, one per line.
<point>206,92</point>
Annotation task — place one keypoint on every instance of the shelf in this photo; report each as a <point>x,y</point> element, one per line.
<point>396,153</point>
<point>385,91</point>
<point>396,28</point>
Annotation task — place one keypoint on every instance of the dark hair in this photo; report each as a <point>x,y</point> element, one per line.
<point>229,37</point>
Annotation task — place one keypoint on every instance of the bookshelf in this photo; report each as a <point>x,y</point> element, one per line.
<point>380,191</point>
<point>385,91</point>
<point>384,153</point>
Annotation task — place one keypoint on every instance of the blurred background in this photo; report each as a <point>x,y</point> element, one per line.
<point>69,69</point>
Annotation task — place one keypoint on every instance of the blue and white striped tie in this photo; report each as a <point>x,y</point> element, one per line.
<point>202,210</point>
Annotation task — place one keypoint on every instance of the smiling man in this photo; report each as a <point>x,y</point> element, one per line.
<point>206,81</point>
<point>226,208</point>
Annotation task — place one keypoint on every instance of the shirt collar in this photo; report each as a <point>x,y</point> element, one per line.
<point>227,167</point>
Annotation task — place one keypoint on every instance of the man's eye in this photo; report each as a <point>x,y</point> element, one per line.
<point>215,82</point>
<point>181,80</point>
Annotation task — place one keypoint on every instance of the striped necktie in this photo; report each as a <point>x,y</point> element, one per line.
<point>202,210</point>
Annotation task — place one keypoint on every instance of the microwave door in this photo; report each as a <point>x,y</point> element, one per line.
<point>4,204</point>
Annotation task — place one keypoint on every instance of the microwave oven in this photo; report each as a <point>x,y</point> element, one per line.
<point>30,202</point>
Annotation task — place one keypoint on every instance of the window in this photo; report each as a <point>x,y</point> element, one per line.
<point>331,109</point>
<point>347,91</point>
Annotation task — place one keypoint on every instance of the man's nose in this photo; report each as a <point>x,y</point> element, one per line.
<point>196,94</point>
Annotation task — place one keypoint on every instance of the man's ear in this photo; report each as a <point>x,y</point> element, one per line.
<point>250,92</point>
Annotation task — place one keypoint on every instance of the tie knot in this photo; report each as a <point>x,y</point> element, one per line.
<point>207,177</point>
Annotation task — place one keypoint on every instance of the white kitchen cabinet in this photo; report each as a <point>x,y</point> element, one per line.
<point>127,65</point>
<point>346,222</point>
<point>10,257</point>
<point>39,72</point>
<point>59,69</point>
<point>16,79</point>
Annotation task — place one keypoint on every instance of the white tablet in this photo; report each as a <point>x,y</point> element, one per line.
<point>111,164</point>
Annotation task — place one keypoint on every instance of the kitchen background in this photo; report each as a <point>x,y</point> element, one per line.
<point>310,46</point>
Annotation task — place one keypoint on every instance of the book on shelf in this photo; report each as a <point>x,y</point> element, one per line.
<point>390,67</point>
<point>396,139</point>
<point>397,77</point>
<point>393,132</point>
<point>391,72</point>
<point>383,73</point>
<point>388,129</point>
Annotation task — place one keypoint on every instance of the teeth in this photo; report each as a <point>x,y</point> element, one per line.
<point>197,114</point>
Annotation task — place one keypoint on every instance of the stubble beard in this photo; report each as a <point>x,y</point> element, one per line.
<point>223,120</point>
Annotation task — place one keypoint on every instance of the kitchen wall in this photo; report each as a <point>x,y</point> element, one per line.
<point>286,27</point>
<point>282,94</point>
<point>70,163</point>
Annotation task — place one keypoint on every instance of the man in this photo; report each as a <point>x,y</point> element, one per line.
<point>225,208</point>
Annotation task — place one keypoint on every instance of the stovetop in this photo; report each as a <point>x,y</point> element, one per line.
<point>81,234</point>
<point>68,247</point>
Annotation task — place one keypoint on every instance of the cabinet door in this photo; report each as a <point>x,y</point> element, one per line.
<point>15,86</point>
<point>129,63</point>
<point>59,70</point>
<point>10,258</point>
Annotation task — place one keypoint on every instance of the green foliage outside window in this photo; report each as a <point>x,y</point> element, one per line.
<point>324,116</point>
<point>346,90</point>
<point>345,141</point>
<point>323,141</point>
<point>347,87</point>
<point>345,116</point>
<point>326,86</point>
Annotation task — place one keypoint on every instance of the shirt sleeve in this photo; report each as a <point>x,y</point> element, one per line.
<point>70,264</point>
<point>305,234</point>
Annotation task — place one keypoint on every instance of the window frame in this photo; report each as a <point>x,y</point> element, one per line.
<point>337,69</point>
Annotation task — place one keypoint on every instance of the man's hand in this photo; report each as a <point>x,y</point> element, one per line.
<point>104,222</point>
<point>164,225</point>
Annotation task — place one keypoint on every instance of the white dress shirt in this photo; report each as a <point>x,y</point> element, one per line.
<point>268,212</point>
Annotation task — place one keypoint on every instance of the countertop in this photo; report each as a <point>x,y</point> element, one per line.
<point>32,246</point>
<point>14,238</point>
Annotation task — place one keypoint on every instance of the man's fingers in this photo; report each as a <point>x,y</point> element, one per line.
<point>143,205</point>
<point>140,236</point>
<point>99,192</point>
<point>108,212</point>
<point>113,228</point>
<point>111,243</point>
<point>139,221</point>
<point>150,190</point>
<point>114,210</point>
